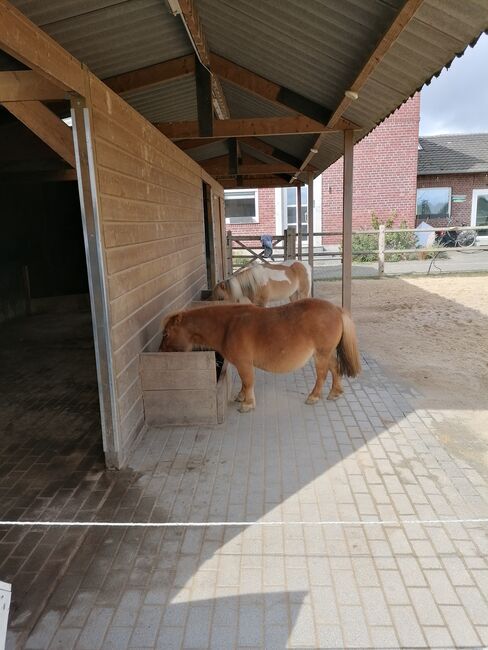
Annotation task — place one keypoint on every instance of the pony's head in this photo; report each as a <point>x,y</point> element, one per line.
<point>221,291</point>
<point>175,336</point>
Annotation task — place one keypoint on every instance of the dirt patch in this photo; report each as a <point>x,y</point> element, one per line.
<point>433,333</point>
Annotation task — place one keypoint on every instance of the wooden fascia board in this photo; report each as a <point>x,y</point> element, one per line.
<point>151,75</point>
<point>27,85</point>
<point>23,40</point>
<point>46,126</point>
<point>236,128</point>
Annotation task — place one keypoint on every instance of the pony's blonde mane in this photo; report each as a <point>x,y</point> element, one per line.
<point>246,282</point>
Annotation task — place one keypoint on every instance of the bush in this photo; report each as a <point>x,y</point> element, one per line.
<point>393,240</point>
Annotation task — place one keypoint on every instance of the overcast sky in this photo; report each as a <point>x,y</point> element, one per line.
<point>457,101</point>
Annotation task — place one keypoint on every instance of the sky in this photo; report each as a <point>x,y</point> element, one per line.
<point>457,100</point>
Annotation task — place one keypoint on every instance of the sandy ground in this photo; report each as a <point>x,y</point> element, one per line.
<point>431,332</point>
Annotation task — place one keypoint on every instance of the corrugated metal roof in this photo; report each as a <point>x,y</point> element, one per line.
<point>451,154</point>
<point>168,102</point>
<point>314,48</point>
<point>112,37</point>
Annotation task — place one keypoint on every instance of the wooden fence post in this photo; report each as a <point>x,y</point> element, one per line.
<point>230,265</point>
<point>381,250</point>
<point>290,243</point>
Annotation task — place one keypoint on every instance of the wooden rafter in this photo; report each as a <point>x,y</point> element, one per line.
<point>47,126</point>
<point>273,152</point>
<point>268,90</point>
<point>42,176</point>
<point>190,17</point>
<point>152,75</point>
<point>220,167</point>
<point>258,126</point>
<point>398,25</point>
<point>26,85</point>
<point>23,40</point>
<point>256,181</point>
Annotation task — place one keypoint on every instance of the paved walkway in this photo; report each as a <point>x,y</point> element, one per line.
<point>368,457</point>
<point>452,261</point>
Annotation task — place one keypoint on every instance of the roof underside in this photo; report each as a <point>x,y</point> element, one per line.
<point>316,49</point>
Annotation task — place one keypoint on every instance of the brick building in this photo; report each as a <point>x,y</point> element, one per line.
<point>385,177</point>
<point>453,180</point>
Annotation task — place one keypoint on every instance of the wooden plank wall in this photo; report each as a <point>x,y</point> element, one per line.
<point>151,214</point>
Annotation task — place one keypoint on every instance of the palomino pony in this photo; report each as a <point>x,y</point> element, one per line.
<point>265,283</point>
<point>278,339</point>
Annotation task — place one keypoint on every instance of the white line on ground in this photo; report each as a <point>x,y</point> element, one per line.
<point>205,524</point>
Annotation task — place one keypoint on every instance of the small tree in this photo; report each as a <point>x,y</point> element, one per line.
<point>393,240</point>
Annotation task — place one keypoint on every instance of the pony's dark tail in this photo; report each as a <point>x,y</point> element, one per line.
<point>347,350</point>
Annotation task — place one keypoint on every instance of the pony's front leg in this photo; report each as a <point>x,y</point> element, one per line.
<point>246,394</point>
<point>321,367</point>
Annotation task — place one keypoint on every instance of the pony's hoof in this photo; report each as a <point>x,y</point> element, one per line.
<point>245,408</point>
<point>311,400</point>
<point>239,398</point>
<point>333,396</point>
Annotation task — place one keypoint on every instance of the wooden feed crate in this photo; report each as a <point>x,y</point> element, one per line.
<point>184,388</point>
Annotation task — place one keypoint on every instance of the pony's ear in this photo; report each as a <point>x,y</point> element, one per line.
<point>222,285</point>
<point>171,319</point>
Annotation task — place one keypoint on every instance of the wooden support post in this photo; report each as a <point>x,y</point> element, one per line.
<point>230,266</point>
<point>299,221</point>
<point>290,243</point>
<point>347,220</point>
<point>88,193</point>
<point>381,250</point>
<point>203,80</point>
<point>310,224</point>
<point>233,157</point>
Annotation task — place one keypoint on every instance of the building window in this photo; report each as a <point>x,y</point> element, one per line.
<point>433,202</point>
<point>290,207</point>
<point>241,206</point>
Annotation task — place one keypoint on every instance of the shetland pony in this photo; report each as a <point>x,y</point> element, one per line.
<point>265,283</point>
<point>278,339</point>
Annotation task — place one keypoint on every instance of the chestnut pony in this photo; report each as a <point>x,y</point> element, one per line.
<point>276,339</point>
<point>262,283</point>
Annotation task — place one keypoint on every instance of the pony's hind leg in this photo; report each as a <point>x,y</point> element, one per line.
<point>336,389</point>
<point>321,367</point>
<point>246,394</point>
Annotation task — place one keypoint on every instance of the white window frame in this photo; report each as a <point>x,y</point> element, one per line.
<point>228,195</point>
<point>482,235</point>
<point>317,211</point>
<point>433,216</point>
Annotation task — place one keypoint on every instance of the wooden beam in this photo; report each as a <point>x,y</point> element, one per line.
<point>273,152</point>
<point>190,17</point>
<point>255,182</point>
<point>347,220</point>
<point>47,126</point>
<point>204,100</point>
<point>267,89</point>
<point>257,126</point>
<point>401,21</point>
<point>23,40</point>
<point>152,75</point>
<point>405,15</point>
<point>26,85</point>
<point>310,225</point>
<point>219,169</point>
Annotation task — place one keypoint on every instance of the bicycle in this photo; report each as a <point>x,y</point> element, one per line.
<point>461,239</point>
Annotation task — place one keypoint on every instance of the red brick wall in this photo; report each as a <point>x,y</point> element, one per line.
<point>385,174</point>
<point>459,184</point>
<point>385,179</point>
<point>266,213</point>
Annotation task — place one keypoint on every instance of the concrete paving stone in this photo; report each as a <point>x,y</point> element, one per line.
<point>383,637</point>
<point>170,638</point>
<point>393,587</point>
<point>475,603</point>
<point>407,627</point>
<point>463,633</point>
<point>44,631</point>
<point>93,633</point>
<point>411,572</point>
<point>441,587</point>
<point>117,638</point>
<point>146,627</point>
<point>355,629</point>
<point>425,607</point>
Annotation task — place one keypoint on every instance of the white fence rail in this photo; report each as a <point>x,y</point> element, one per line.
<point>244,249</point>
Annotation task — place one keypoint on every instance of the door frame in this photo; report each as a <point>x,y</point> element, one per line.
<point>482,239</point>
